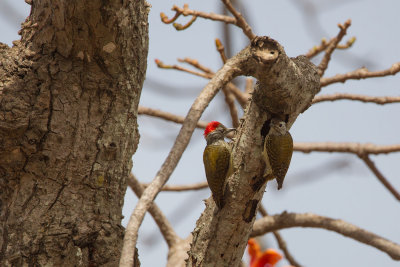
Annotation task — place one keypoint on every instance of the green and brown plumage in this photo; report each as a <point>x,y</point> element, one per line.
<point>217,159</point>
<point>278,150</point>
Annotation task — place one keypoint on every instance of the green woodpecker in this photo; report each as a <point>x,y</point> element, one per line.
<point>217,159</point>
<point>278,150</point>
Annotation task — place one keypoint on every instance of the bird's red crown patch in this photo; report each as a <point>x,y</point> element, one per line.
<point>211,126</point>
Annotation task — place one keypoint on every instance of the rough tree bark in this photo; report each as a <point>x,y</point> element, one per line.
<point>69,93</point>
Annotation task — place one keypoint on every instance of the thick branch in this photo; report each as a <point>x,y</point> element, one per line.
<point>362,73</point>
<point>381,100</point>
<point>289,220</point>
<point>165,227</point>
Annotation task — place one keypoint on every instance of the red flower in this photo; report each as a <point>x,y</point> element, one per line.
<point>268,258</point>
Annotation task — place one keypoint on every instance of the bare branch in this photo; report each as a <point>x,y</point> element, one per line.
<point>324,45</point>
<point>167,116</point>
<point>180,27</point>
<point>381,100</point>
<point>185,11</point>
<point>358,74</point>
<point>161,65</point>
<point>229,90</point>
<point>178,253</point>
<point>229,96</point>
<point>249,86</point>
<point>223,76</point>
<point>355,148</point>
<point>280,240</point>
<point>241,97</point>
<point>221,50</point>
<point>380,176</point>
<point>165,227</point>
<point>332,46</point>
<point>212,16</point>
<point>289,220</point>
<point>230,101</point>
<point>195,63</point>
<point>171,117</point>
<point>179,188</point>
<point>166,20</point>
<point>240,21</point>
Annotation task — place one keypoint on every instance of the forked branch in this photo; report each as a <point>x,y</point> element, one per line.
<point>324,45</point>
<point>332,46</point>
<point>237,20</point>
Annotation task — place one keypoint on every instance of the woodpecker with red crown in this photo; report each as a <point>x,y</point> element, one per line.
<point>217,159</point>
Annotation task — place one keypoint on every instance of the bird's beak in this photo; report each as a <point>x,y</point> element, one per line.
<point>228,130</point>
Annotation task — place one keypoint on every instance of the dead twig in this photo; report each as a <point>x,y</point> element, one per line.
<point>355,148</point>
<point>179,188</point>
<point>381,100</point>
<point>228,90</point>
<point>221,50</point>
<point>161,65</point>
<point>167,116</point>
<point>361,73</point>
<point>380,176</point>
<point>195,63</point>
<point>185,11</point>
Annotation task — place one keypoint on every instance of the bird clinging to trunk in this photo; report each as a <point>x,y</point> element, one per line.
<point>278,150</point>
<point>217,159</point>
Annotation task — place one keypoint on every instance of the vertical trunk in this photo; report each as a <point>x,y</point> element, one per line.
<point>69,93</point>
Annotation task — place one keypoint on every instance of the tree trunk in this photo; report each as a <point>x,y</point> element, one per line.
<point>69,93</point>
